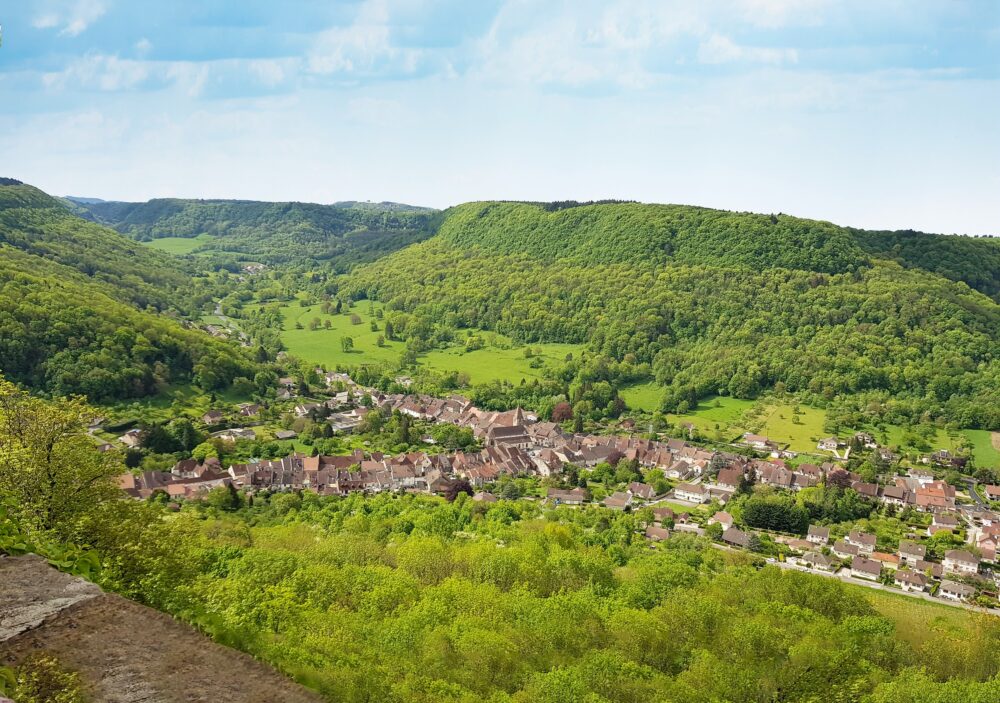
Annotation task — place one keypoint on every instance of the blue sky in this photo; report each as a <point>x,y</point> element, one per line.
<point>874,113</point>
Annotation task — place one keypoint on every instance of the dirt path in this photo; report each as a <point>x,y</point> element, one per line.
<point>995,438</point>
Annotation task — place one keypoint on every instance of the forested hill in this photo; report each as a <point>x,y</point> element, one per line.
<point>273,232</point>
<point>705,301</point>
<point>611,233</point>
<point>42,226</point>
<point>625,232</point>
<point>80,308</point>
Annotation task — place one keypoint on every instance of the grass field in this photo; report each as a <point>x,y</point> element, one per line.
<point>179,245</point>
<point>983,448</point>
<point>496,364</point>
<point>724,418</point>
<point>916,620</point>
<point>323,346</point>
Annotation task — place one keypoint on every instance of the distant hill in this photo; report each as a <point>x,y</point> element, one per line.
<point>345,233</point>
<point>84,201</point>
<point>708,301</point>
<point>86,310</point>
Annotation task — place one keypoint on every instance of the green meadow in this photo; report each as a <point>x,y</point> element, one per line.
<point>179,245</point>
<point>499,361</point>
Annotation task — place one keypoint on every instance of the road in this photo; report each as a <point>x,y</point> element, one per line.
<point>229,324</point>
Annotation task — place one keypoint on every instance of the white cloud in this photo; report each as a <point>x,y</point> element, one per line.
<point>73,16</point>
<point>719,49</point>
<point>46,21</point>
<point>780,13</point>
<point>364,46</point>
<point>100,72</point>
<point>143,46</point>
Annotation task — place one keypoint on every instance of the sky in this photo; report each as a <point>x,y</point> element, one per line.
<point>872,113</point>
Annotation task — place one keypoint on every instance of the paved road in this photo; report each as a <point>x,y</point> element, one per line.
<point>974,492</point>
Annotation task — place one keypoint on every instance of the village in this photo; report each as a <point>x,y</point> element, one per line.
<point>692,486</point>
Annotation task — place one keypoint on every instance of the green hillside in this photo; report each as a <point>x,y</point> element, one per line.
<point>272,232</point>
<point>42,226</point>
<point>79,308</point>
<point>708,302</point>
<point>609,233</point>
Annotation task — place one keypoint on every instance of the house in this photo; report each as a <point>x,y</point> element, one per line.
<point>657,534</point>
<point>936,496</point>
<point>953,590</point>
<point>577,496</point>
<point>910,580</point>
<point>730,478</point>
<point>736,538</point>
<point>815,560</point>
<point>618,500</point>
<point>249,409</point>
<point>988,545</point>
<point>818,535</point>
<point>929,567</point>
<point>758,442</point>
<point>886,559</point>
<point>829,444</point>
<point>303,409</point>
<point>484,497</point>
<point>865,489</point>
<point>723,518</point>
<point>286,434</point>
<point>960,561</point>
<point>922,476</point>
<point>942,521</point>
<point>132,438</point>
<point>663,515</point>
<point>865,440</point>
<point>867,569</point>
<point>642,490</point>
<point>844,549</point>
<point>992,492</point>
<point>692,492</point>
<point>212,417</point>
<point>896,495</point>
<point>236,433</point>
<point>864,541</point>
<point>911,552</point>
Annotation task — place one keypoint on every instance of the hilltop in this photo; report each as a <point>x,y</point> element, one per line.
<point>706,301</point>
<point>272,232</point>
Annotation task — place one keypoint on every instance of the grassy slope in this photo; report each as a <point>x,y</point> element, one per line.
<point>776,421</point>
<point>322,346</point>
<point>179,245</point>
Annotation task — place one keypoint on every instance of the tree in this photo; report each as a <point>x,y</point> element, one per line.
<point>224,497</point>
<point>839,478</point>
<point>346,344</point>
<point>562,411</point>
<point>389,331</point>
<point>355,319</point>
<point>455,488</point>
<point>48,464</point>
